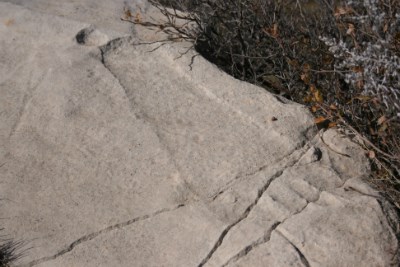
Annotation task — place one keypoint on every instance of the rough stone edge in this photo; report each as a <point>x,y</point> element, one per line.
<point>392,214</point>
<point>389,210</point>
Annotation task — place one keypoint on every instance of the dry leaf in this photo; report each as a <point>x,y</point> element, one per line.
<point>343,10</point>
<point>318,96</point>
<point>332,124</point>
<point>328,59</point>
<point>319,120</point>
<point>314,109</point>
<point>357,69</point>
<point>305,78</point>
<point>383,128</point>
<point>371,154</point>
<point>333,107</point>
<point>293,62</point>
<point>381,120</point>
<point>307,99</point>
<point>306,67</point>
<point>363,98</point>
<point>385,28</point>
<point>275,30</point>
<point>350,29</point>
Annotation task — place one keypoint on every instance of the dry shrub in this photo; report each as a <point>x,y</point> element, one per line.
<point>10,251</point>
<point>340,58</point>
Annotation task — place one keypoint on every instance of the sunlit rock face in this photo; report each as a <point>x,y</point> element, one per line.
<point>119,153</point>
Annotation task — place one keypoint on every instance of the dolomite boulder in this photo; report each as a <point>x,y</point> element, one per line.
<point>114,153</point>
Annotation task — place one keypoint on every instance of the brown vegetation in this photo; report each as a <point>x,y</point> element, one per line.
<point>337,57</point>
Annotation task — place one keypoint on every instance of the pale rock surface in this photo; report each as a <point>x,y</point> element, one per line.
<point>112,154</point>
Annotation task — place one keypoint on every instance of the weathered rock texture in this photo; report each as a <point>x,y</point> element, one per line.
<point>116,154</point>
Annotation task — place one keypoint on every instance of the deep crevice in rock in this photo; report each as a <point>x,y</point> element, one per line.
<point>246,213</point>
<point>303,149</point>
<point>241,218</point>
<point>264,239</point>
<point>301,255</point>
<point>91,236</point>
